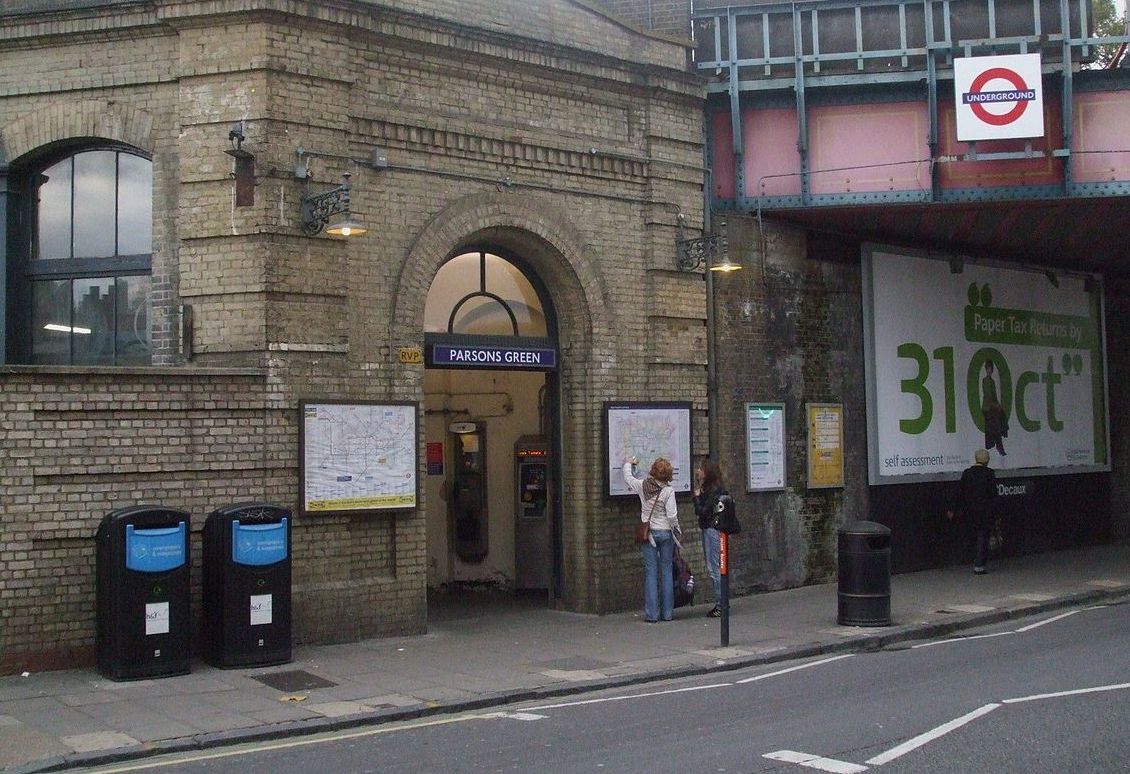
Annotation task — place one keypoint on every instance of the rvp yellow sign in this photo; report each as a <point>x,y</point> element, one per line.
<point>413,355</point>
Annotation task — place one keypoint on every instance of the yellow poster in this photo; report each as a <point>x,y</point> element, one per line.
<point>825,445</point>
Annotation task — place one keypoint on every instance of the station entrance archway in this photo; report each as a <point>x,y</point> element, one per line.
<point>491,419</point>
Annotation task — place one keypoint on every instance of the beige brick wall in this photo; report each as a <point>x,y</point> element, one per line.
<point>568,139</point>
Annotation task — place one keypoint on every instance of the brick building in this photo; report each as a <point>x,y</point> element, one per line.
<point>524,169</point>
<point>166,314</point>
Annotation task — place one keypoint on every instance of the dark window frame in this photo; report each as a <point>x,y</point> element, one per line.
<point>27,268</point>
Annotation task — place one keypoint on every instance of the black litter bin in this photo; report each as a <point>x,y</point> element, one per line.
<point>247,585</point>
<point>142,591</point>
<point>864,574</point>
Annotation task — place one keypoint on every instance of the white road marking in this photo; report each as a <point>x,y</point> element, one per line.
<point>952,640</point>
<point>793,669</point>
<point>255,747</point>
<point>931,735</point>
<point>607,699</point>
<point>816,762</point>
<point>1077,692</point>
<point>1038,624</point>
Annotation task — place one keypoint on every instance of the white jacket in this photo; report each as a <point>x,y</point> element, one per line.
<point>665,513</point>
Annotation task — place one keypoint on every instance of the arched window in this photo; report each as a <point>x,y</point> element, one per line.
<point>85,280</point>
<point>483,294</point>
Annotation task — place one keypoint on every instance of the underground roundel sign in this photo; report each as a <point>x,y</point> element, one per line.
<point>998,97</point>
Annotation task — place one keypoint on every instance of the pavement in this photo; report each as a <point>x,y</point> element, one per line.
<point>483,653</point>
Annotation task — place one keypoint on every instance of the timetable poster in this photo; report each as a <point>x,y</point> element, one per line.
<point>765,446</point>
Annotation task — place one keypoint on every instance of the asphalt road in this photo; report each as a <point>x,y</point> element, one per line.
<point>1048,694</point>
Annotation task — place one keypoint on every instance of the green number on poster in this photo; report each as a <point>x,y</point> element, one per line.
<point>917,387</point>
<point>945,354</point>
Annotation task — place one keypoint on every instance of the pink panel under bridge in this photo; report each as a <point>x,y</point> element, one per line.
<point>1102,137</point>
<point>882,148</point>
<point>869,148</point>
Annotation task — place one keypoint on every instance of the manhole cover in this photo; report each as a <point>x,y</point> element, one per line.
<point>295,680</point>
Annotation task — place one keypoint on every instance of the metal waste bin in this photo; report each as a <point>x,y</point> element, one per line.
<point>247,574</point>
<point>142,593</point>
<point>864,574</point>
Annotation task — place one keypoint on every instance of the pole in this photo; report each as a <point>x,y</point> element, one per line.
<point>724,571</point>
<point>711,354</point>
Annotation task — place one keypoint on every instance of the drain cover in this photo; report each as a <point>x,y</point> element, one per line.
<point>294,680</point>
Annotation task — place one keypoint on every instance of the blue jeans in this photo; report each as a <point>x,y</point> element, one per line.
<point>712,555</point>
<point>658,584</point>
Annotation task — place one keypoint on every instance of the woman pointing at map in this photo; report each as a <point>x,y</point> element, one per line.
<point>659,510</point>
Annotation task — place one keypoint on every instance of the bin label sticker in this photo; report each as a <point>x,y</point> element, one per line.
<point>258,544</point>
<point>156,618</point>
<point>260,609</point>
<point>155,550</point>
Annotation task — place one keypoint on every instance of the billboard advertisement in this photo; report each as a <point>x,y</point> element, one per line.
<point>963,355</point>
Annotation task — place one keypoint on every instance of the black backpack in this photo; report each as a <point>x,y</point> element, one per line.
<point>726,515</point>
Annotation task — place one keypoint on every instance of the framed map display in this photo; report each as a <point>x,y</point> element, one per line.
<point>358,456</point>
<point>646,431</point>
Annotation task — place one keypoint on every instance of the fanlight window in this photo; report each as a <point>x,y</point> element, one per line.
<point>480,293</point>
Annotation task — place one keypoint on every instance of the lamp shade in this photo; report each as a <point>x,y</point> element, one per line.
<point>346,228</point>
<point>726,265</point>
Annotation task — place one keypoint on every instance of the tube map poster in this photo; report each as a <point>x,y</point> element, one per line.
<point>964,355</point>
<point>358,456</point>
<point>646,431</point>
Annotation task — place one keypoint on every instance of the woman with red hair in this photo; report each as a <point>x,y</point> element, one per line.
<point>659,510</point>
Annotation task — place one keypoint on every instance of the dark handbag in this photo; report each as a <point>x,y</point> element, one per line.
<point>643,528</point>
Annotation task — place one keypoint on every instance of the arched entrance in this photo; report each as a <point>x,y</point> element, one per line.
<point>491,426</point>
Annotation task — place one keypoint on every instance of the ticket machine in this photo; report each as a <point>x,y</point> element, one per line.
<point>533,557</point>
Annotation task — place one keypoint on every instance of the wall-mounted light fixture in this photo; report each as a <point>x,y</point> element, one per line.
<point>319,209</point>
<point>712,250</point>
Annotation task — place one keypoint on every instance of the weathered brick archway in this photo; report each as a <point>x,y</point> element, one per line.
<point>557,251</point>
<point>71,120</point>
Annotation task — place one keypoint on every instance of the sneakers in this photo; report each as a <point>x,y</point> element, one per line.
<point>714,612</point>
<point>979,571</point>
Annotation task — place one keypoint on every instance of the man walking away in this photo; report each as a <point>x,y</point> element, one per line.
<point>977,501</point>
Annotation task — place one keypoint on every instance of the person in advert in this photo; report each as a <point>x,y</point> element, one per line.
<point>706,495</point>
<point>996,423</point>
<point>977,495</point>
<point>658,508</point>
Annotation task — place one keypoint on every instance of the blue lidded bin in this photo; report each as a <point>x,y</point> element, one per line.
<point>143,626</point>
<point>247,579</point>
